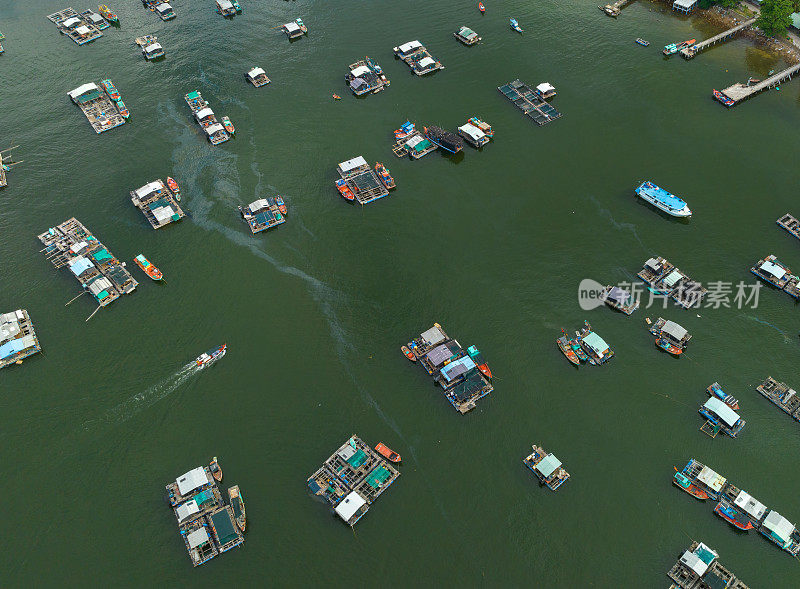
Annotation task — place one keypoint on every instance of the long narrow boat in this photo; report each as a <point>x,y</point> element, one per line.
<point>237,503</point>
<point>215,468</point>
<point>344,190</point>
<point>207,358</point>
<point>668,347</point>
<point>567,350</point>
<point>408,353</point>
<point>281,205</point>
<point>123,110</point>
<point>107,14</point>
<point>384,175</point>
<point>147,267</point>
<point>387,453</point>
<point>681,481</point>
<point>515,25</point>
<point>716,390</point>
<point>110,89</point>
<point>733,516</point>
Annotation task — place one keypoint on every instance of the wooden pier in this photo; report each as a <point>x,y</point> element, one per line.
<point>158,203</point>
<point>362,180</point>
<point>529,102</point>
<point>787,222</point>
<point>739,92</point>
<point>782,396</point>
<point>17,338</point>
<point>614,10</point>
<point>665,279</point>
<point>699,568</point>
<point>352,478</point>
<point>74,26</point>
<point>693,50</point>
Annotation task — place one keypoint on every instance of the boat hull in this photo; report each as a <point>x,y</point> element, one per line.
<point>216,470</point>
<point>388,453</point>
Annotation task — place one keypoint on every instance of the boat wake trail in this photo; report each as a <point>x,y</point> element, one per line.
<point>621,226</point>
<point>767,323</point>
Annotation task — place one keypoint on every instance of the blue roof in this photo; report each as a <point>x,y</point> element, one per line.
<point>660,195</point>
<point>11,348</point>
<point>80,265</point>
<point>457,368</point>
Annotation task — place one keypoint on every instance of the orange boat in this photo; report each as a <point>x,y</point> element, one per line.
<point>148,268</point>
<point>681,481</point>
<point>337,97</point>
<point>344,190</point>
<point>481,8</point>
<point>387,453</point>
<point>173,186</point>
<point>409,354</point>
<point>216,470</point>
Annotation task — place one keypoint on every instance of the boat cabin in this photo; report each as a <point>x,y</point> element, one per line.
<point>620,299</point>
<point>473,135</point>
<point>153,51</point>
<point>753,508</point>
<point>772,271</point>
<point>257,77</point>
<point>545,90</point>
<point>467,36</point>
<point>425,65</point>
<point>781,531</point>
<point>674,333</point>
<point>164,11</point>
<point>720,414</point>
<point>225,8</point>
<point>293,30</point>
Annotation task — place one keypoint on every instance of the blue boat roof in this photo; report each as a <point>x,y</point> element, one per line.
<point>661,195</point>
<point>457,368</point>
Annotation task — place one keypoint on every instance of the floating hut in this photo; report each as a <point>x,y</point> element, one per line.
<point>257,77</point>
<point>705,478</point>
<point>151,48</point>
<point>782,396</point>
<point>546,467</point>
<point>781,531</point>
<point>95,20</point>
<point>529,102</point>
<point>226,533</point>
<point>189,483</point>
<point>467,36</point>
<point>595,347</point>
<point>462,379</point>
<point>722,417</point>
<point>664,278</point>
<point>164,11</point>
<point>670,336</point>
<point>158,203</point>
<point>365,76</point>
<point>200,504</point>
<point>295,29</point>
<point>205,117</point>
<point>225,8</point>
<point>75,26</point>
<point>102,112</point>
<point>619,299</point>
<point>414,144</point>
<point>17,338</point>
<point>545,90</point>
<point>262,214</point>
<point>71,244</point>
<point>776,274</point>
<point>362,180</point>
<point>715,390</point>
<point>199,543</point>
<point>473,135</point>
<point>699,568</point>
<point>790,224</point>
<point>416,56</point>
<point>352,478</point>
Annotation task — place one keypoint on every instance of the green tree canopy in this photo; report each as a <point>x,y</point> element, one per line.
<point>775,16</point>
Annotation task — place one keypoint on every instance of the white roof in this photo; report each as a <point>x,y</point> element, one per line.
<point>153,47</point>
<point>350,505</point>
<point>414,140</point>
<point>673,329</point>
<point>83,30</point>
<point>191,480</point>
<point>692,561</point>
<point>773,269</point>
<point>99,285</point>
<point>187,509</point>
<point>749,505</point>
<point>432,336</point>
<point>720,408</point>
<point>203,113</point>
<point>76,247</point>
<point>673,277</point>
<point>426,61</point>
<point>148,188</point>
<point>360,71</point>
<point>352,164</point>
<point>291,27</point>
<point>82,89</point>
<point>215,128</point>
<point>198,537</point>
<point>545,87</point>
<point>224,4</point>
<point>406,47</point>
<point>163,7</point>
<point>472,131</point>
<point>711,479</point>
<point>685,3</point>
<point>163,213</point>
<point>257,205</point>
<point>779,525</point>
<point>256,71</point>
<point>71,22</point>
<point>94,17</point>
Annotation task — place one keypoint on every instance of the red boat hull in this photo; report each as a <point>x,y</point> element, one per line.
<point>388,453</point>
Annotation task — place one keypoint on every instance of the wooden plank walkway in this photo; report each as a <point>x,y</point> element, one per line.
<point>692,50</point>
<point>739,91</point>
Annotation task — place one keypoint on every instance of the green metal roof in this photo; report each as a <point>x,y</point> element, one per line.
<point>596,342</point>
<point>548,465</point>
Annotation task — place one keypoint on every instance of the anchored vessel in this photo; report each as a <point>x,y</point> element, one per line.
<point>352,478</point>
<point>619,299</point>
<point>17,338</point>
<point>670,336</point>
<point>529,102</point>
<point>257,77</point>
<point>107,13</point>
<point>444,139</point>
<point>461,377</point>
<point>699,568</point>
<point>162,9</point>
<point>683,482</point>
<point>75,26</point>
<point>365,76</point>
<point>565,345</point>
<point>473,135</point>
<point>385,176</point>
<point>102,110</point>
<point>6,164</point>
<point>773,272</point>
<point>158,202</point>
<point>151,48</point>
<point>663,200</point>
<point>546,467</point>
<point>263,214</point>
<point>360,180</point>
<point>205,117</point>
<point>467,36</point>
<point>782,396</point>
<point>148,268</point>
<point>665,279</point>
<point>715,390</point>
<point>595,348</point>
<point>721,417</point>
<point>207,359</point>
<point>388,453</point>
<point>733,516</point>
<point>515,25</point>
<point>72,245</point>
<point>416,56</point>
<point>237,504</point>
<point>295,29</point>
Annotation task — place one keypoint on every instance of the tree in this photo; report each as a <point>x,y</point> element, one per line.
<point>725,3</point>
<point>775,17</point>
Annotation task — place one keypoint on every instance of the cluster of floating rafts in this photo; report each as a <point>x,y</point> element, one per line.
<point>114,95</point>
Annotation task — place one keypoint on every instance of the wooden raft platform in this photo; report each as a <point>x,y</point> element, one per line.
<point>716,575</point>
<point>782,396</point>
<point>74,26</point>
<point>158,203</point>
<point>665,279</point>
<point>787,222</point>
<point>362,180</point>
<point>529,102</point>
<point>739,92</point>
<point>692,50</point>
<point>17,338</point>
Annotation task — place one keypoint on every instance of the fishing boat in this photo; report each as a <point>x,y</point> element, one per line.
<point>722,98</point>
<point>482,125</point>
<point>681,481</point>
<point>663,200</point>
<point>207,358</point>
<point>173,186</point>
<point>409,354</point>
<point>477,357</point>
<point>387,453</point>
<point>106,13</point>
<point>404,131</point>
<point>481,7</point>
<point>281,204</point>
<point>110,89</point>
<point>515,25</point>
<point>566,349</point>
<point>384,175</point>
<point>226,122</point>
<point>300,24</point>
<point>337,97</point>
<point>216,469</point>
<point>642,42</point>
<point>237,504</point>
<point>344,190</point>
<point>668,347</point>
<point>123,110</point>
<point>147,267</point>
<point>733,516</point>
<point>715,390</point>
<point>675,47</point>
<point>2,36</point>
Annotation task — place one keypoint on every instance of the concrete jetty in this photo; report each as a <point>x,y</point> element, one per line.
<point>692,50</point>
<point>739,91</point>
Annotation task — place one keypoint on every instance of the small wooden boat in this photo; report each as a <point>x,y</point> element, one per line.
<point>216,470</point>
<point>515,25</point>
<point>344,190</point>
<point>668,347</point>
<point>387,453</point>
<point>281,204</point>
<point>409,354</point>
<point>123,110</point>
<point>337,97</point>
<point>567,350</point>
<point>173,186</point>
<point>226,122</point>
<point>642,42</point>
<point>481,7</point>
<point>237,504</point>
<point>681,481</point>
<point>733,516</point>
<point>147,267</point>
<point>106,13</point>
<point>384,175</point>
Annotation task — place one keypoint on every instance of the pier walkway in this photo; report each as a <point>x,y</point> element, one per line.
<point>692,50</point>
<point>739,91</point>
<point>615,8</point>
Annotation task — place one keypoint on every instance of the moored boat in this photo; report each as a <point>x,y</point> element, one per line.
<point>215,468</point>
<point>207,358</point>
<point>404,131</point>
<point>148,268</point>
<point>722,98</point>
<point>384,175</point>
<point>337,97</point>
<point>237,504</point>
<point>733,516</point>
<point>408,353</point>
<point>107,14</point>
<point>482,125</point>
<point>663,200</point>
<point>123,110</point>
<point>515,25</point>
<point>226,122</point>
<point>668,347</point>
<point>477,357</point>
<point>344,190</point>
<point>281,204</point>
<point>387,453</point>
<point>681,481</point>
<point>642,42</point>
<point>481,7</point>
<point>716,390</point>
<point>110,89</point>
<point>173,186</point>
<point>566,349</point>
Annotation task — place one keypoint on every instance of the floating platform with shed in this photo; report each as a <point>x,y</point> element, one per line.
<point>699,568</point>
<point>257,77</point>
<point>362,180</point>
<point>467,36</point>
<point>530,102</point>
<point>151,48</point>
<point>776,274</point>
<point>72,245</point>
<point>263,214</point>
<point>352,478</point>
<point>790,224</point>
<point>417,57</point>
<point>546,467</point>
<point>721,417</point>
<point>665,279</point>
<point>595,347</point>
<point>619,299</point>
<point>198,542</point>
<point>365,76</point>
<point>162,9</point>
<point>226,532</point>
<point>17,338</point>
<point>214,130</point>
<point>295,29</point>
<point>462,379</point>
<point>414,144</point>
<point>102,112</point>
<point>670,336</point>
<point>473,135</point>
<point>75,26</point>
<point>199,504</point>
<point>158,203</point>
<point>94,19</point>
<point>782,396</point>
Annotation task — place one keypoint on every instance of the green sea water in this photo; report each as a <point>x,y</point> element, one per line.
<point>490,244</point>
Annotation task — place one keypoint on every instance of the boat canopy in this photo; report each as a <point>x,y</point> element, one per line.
<point>776,270</point>
<point>780,528</point>
<point>432,336</point>
<point>426,61</point>
<point>193,479</point>
<point>457,368</point>
<point>467,33</point>
<point>291,27</point>
<point>203,113</point>
<point>186,510</point>
<point>722,410</point>
<point>153,48</point>
<point>255,72</point>
<point>83,30</point>
<point>596,343</point>
<point>711,479</point>
<point>257,205</point>
<point>749,505</point>
<point>224,4</point>
<point>350,506</point>
<point>548,465</point>
<point>214,129</point>
<point>149,188</point>
<point>360,71</point>
<point>197,538</point>
<point>82,90</point>
<point>352,164</point>
<point>545,88</point>
<point>411,45</point>
<point>472,131</point>
<point>674,330</point>
<point>80,265</point>
<point>71,22</point>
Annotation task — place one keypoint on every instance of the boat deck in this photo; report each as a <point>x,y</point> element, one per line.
<point>82,37</point>
<point>716,575</point>
<point>782,396</point>
<point>364,183</point>
<point>226,533</point>
<point>415,145</point>
<point>790,224</point>
<point>18,339</point>
<point>558,477</point>
<point>528,101</point>
<point>160,207</point>
<point>788,283</point>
